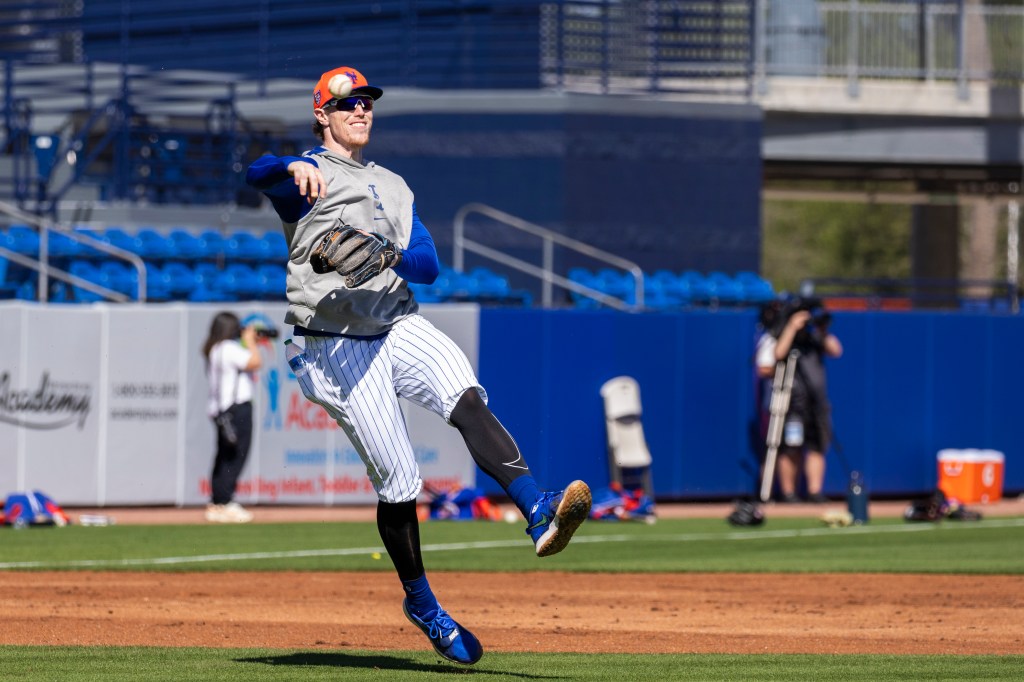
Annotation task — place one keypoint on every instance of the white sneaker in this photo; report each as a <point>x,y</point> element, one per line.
<point>232,512</point>
<point>215,513</point>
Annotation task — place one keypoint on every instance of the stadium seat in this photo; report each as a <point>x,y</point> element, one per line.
<point>62,247</point>
<point>185,245</point>
<point>425,293</point>
<point>488,285</point>
<point>271,282</point>
<point>275,248</point>
<point>158,283</point>
<point>180,279</point>
<point>724,289</point>
<point>153,246</point>
<point>86,251</point>
<point>27,291</point>
<point>613,282</point>
<point>700,289</point>
<point>240,281</point>
<point>116,236</point>
<point>242,246</point>
<point>452,284</point>
<point>22,239</point>
<point>88,272</point>
<point>756,289</point>
<point>212,245</point>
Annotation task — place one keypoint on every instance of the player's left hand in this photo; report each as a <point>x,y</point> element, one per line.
<point>356,254</point>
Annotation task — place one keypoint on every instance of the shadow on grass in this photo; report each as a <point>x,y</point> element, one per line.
<point>377,662</point>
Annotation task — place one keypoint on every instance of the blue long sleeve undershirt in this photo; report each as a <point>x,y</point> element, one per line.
<point>269,174</point>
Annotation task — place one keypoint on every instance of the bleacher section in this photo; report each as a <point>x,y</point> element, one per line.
<point>210,265</point>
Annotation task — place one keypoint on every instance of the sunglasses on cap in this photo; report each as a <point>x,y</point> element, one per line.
<point>350,103</point>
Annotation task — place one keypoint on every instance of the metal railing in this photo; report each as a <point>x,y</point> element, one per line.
<point>545,272</point>
<point>46,271</point>
<point>953,41</point>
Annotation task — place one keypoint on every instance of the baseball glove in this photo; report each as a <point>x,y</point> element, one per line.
<point>357,255</point>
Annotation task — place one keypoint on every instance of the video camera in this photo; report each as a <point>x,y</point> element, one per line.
<point>816,327</point>
<point>265,329</point>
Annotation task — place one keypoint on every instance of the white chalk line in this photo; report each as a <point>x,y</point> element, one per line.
<point>501,544</point>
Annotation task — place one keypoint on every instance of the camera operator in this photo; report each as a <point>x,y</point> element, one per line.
<point>803,326</point>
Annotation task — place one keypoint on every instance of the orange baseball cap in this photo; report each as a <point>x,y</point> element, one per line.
<point>322,95</point>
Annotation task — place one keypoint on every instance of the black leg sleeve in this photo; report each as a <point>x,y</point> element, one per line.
<point>400,530</point>
<point>489,443</point>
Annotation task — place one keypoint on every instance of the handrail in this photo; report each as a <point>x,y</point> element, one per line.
<point>45,270</point>
<point>545,273</point>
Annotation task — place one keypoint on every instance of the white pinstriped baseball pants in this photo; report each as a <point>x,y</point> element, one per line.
<point>359,382</point>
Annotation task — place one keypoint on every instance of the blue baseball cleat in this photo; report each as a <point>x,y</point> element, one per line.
<point>449,639</point>
<point>556,516</point>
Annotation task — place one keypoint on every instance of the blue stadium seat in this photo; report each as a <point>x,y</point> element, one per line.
<point>90,273</point>
<point>118,276</point>
<point>425,293</point>
<point>86,251</point>
<point>185,245</point>
<point>724,288</point>
<point>275,248</point>
<point>180,278</point>
<point>243,246</point>
<point>700,289</point>
<point>586,278</point>
<point>616,283</point>
<point>203,295</point>
<point>271,281</point>
<point>27,291</point>
<point>487,284</point>
<point>62,247</point>
<point>212,244</point>
<point>22,239</point>
<point>756,289</point>
<point>240,281</point>
<point>152,245</point>
<point>452,284</point>
<point>115,236</point>
<point>158,283</point>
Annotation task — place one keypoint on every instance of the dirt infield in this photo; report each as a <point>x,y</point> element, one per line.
<point>670,613</point>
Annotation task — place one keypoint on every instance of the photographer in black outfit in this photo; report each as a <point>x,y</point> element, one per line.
<point>802,325</point>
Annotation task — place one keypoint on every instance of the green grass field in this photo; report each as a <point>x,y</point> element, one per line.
<point>783,545</point>
<point>992,546</point>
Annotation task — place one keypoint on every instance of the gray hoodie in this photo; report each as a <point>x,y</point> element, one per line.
<point>367,197</point>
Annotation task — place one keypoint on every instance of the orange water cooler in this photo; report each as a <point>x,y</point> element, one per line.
<point>971,475</point>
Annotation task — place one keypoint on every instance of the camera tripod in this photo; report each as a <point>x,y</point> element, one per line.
<point>782,390</point>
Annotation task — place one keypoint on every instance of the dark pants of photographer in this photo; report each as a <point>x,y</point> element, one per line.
<point>227,465</point>
<point>809,455</point>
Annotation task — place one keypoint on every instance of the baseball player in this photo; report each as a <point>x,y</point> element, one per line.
<point>355,241</point>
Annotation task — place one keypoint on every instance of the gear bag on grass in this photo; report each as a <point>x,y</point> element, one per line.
<point>33,509</point>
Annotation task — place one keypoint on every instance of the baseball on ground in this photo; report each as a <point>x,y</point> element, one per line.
<point>340,86</point>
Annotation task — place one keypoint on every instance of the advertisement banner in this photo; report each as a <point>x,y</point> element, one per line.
<point>106,405</point>
<point>140,446</point>
<point>51,390</point>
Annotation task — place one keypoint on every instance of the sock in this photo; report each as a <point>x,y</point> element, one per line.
<point>524,492</point>
<point>422,602</point>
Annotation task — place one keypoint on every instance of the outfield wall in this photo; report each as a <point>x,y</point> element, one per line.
<point>908,385</point>
<point>105,404</point>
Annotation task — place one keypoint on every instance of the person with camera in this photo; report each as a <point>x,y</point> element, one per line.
<point>232,358</point>
<point>800,334</point>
